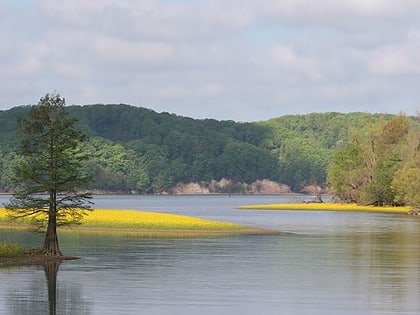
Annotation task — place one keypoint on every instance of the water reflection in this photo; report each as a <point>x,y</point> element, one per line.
<point>46,296</point>
<point>51,270</point>
<point>328,273</point>
<point>330,263</point>
<point>387,261</point>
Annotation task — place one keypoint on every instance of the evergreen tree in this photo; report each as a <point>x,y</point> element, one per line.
<point>50,172</point>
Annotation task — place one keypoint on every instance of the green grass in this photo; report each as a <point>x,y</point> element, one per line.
<point>11,250</point>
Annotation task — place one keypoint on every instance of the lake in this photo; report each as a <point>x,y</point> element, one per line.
<point>323,263</point>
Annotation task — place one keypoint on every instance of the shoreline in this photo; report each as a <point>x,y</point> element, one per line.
<point>149,232</point>
<point>146,224</point>
<point>124,193</point>
<point>33,260</point>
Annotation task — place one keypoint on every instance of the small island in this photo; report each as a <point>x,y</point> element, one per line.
<point>142,223</point>
<point>13,255</point>
<point>132,222</point>
<point>329,206</point>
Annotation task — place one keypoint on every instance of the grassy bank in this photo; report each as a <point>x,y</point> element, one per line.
<point>11,250</point>
<point>13,255</point>
<point>327,207</point>
<point>145,223</point>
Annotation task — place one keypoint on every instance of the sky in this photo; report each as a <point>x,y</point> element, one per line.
<point>242,60</point>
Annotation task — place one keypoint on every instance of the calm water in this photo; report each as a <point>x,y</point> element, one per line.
<point>325,263</point>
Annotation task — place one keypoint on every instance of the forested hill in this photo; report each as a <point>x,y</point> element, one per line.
<point>137,149</point>
<point>304,144</point>
<point>123,123</point>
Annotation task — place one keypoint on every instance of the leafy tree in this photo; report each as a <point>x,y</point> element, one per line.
<point>383,156</point>
<point>406,181</point>
<point>365,169</point>
<point>406,185</point>
<point>345,173</point>
<point>51,171</point>
<point>378,190</point>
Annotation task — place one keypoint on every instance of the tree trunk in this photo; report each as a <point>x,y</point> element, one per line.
<point>51,247</point>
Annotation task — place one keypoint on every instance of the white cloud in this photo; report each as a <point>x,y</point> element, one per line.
<point>345,13</point>
<point>117,50</point>
<point>285,63</point>
<point>214,58</point>
<point>401,59</point>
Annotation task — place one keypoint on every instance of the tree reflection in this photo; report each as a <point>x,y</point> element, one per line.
<point>34,296</point>
<point>51,271</point>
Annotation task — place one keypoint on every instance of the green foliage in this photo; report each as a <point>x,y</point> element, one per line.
<point>406,181</point>
<point>345,173</point>
<point>8,127</point>
<point>50,172</point>
<point>50,163</point>
<point>378,190</point>
<point>373,167</point>
<point>136,149</point>
<point>8,164</point>
<point>113,166</point>
<point>11,250</point>
<point>406,185</point>
<point>163,149</point>
<point>304,144</point>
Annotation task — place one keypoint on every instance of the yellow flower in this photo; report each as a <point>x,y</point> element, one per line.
<point>113,218</point>
<point>327,207</point>
<point>131,219</point>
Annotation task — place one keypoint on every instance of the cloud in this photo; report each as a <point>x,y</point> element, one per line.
<point>348,14</point>
<point>391,60</point>
<point>219,59</point>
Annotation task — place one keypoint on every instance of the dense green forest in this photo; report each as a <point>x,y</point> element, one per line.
<point>137,149</point>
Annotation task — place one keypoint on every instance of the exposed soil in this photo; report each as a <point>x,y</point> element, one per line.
<point>414,211</point>
<point>226,186</point>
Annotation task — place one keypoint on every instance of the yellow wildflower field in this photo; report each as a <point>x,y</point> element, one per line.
<point>2,214</point>
<point>327,207</point>
<point>133,220</point>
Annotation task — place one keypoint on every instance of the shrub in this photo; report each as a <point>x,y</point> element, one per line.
<point>8,249</point>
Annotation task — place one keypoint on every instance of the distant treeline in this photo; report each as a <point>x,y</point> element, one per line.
<point>137,149</point>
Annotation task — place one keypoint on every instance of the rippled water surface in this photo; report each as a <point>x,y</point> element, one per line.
<point>324,263</point>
